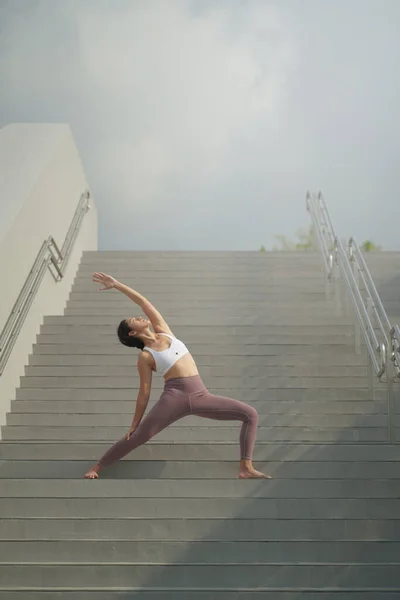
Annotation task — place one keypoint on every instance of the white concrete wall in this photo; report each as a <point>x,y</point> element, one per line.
<point>41,182</point>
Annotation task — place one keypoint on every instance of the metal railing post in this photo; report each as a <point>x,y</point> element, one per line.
<point>357,328</point>
<point>391,402</point>
<point>370,365</point>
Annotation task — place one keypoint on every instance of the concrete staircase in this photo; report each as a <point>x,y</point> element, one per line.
<point>171,521</point>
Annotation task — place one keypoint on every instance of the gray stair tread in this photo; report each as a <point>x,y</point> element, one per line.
<point>220,576</point>
<point>232,529</point>
<point>122,420</point>
<point>196,469</point>
<point>210,508</point>
<point>240,383</point>
<point>201,434</point>
<point>118,593</point>
<point>205,488</point>
<point>267,407</point>
<point>192,552</point>
<point>210,373</point>
<point>250,394</point>
<point>206,363</point>
<point>220,451</point>
<point>237,350</point>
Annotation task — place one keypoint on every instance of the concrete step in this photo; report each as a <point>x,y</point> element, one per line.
<point>245,289</point>
<point>198,340</point>
<point>179,302</point>
<point>291,433</point>
<point>138,261</point>
<point>216,576</point>
<point>209,259</point>
<point>241,265</point>
<point>219,273</point>
<point>202,489</point>
<point>208,364</point>
<point>242,529</point>
<point>120,420</point>
<point>134,469</point>
<point>239,321</point>
<point>195,594</point>
<point>179,594</point>
<point>205,271</point>
<point>211,373</point>
<point>240,349</point>
<point>141,255</point>
<point>272,314</point>
<point>276,311</point>
<point>299,407</point>
<point>208,284</point>
<point>218,279</point>
<point>195,552</point>
<point>137,264</point>
<point>245,294</point>
<point>191,451</point>
<point>248,395</point>
<point>218,383</point>
<point>218,452</point>
<point>199,508</point>
<point>217,331</point>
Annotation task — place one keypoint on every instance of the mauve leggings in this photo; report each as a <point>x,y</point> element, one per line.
<point>187,396</point>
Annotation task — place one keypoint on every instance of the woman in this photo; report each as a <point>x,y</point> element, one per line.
<point>184,392</point>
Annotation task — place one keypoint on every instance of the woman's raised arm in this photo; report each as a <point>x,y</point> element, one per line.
<point>156,319</point>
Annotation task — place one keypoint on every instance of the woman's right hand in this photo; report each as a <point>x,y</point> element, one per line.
<point>106,280</point>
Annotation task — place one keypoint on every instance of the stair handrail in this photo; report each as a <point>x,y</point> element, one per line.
<point>360,266</point>
<point>352,271</point>
<point>324,232</point>
<point>395,348</point>
<point>49,257</point>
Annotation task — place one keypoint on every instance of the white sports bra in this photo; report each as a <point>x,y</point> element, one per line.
<point>167,358</point>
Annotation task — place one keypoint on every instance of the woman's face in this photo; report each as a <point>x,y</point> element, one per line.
<point>137,324</point>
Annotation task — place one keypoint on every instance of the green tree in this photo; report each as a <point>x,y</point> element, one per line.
<point>304,242</point>
<point>369,246</point>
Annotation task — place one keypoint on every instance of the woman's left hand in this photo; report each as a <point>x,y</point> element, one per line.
<point>106,280</point>
<point>131,430</point>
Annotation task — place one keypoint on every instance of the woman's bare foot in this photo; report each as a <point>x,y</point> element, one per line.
<point>93,473</point>
<point>247,471</point>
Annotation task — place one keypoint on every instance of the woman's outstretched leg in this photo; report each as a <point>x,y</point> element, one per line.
<point>169,408</point>
<point>205,404</point>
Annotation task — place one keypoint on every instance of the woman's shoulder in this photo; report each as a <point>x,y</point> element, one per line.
<point>145,358</point>
<point>169,335</point>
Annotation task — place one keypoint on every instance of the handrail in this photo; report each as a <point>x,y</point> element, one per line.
<point>376,349</point>
<point>374,324</point>
<point>323,230</point>
<point>395,347</point>
<point>334,252</point>
<point>49,257</point>
<point>356,257</point>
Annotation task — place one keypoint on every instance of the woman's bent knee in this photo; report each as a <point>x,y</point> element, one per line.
<point>253,414</point>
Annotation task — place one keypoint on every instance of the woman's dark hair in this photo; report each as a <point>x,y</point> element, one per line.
<point>126,339</point>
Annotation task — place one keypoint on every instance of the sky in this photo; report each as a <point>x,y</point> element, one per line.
<point>201,124</point>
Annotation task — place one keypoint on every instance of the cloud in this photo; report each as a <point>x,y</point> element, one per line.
<point>208,119</point>
<point>161,95</point>
<point>186,84</point>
